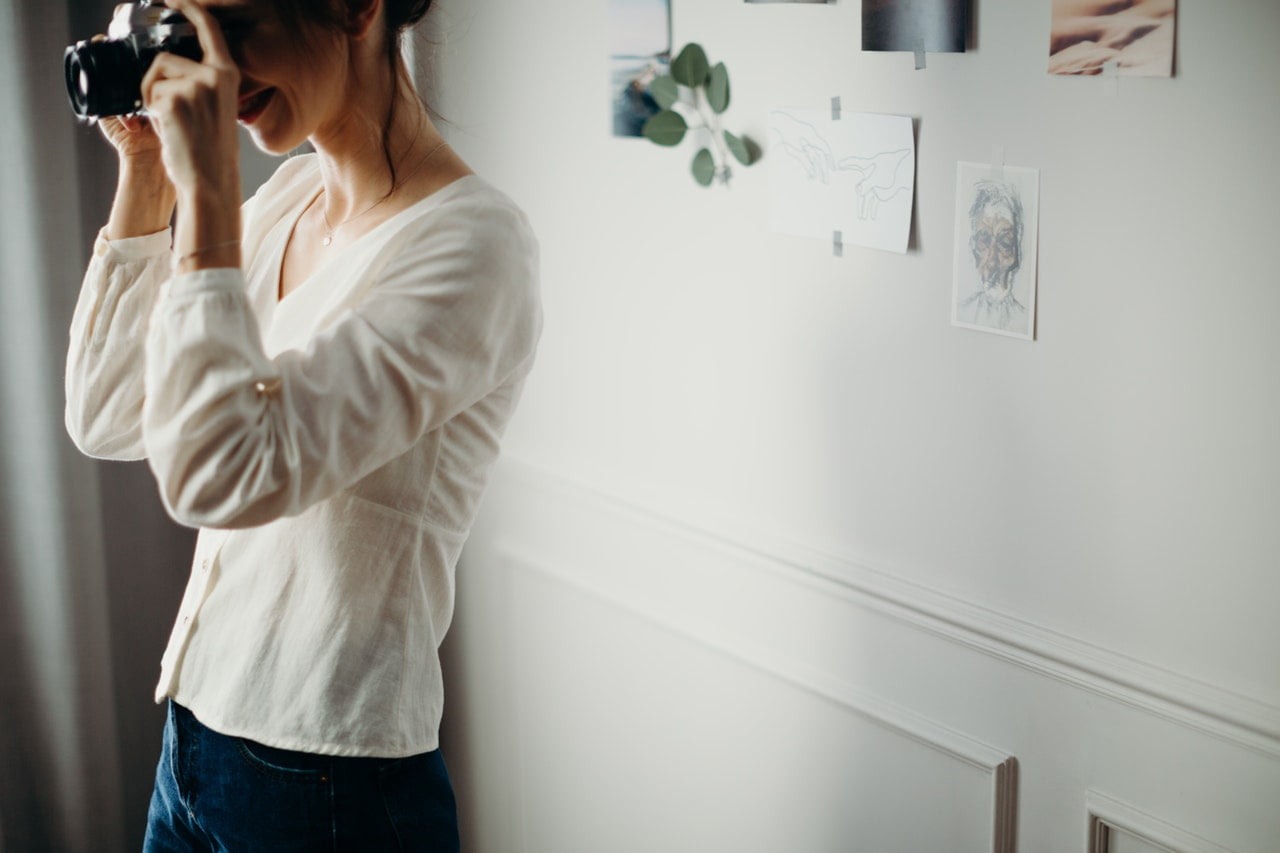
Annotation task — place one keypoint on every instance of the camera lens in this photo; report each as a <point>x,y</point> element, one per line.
<point>104,78</point>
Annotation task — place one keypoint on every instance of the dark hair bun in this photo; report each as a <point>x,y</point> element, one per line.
<point>405,13</point>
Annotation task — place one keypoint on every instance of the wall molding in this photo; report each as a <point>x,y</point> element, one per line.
<point>999,765</point>
<point>1106,815</point>
<point>1203,707</point>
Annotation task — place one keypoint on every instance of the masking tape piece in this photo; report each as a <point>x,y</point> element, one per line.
<point>1111,77</point>
<point>835,108</point>
<point>837,244</point>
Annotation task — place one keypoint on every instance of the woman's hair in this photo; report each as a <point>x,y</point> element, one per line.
<point>338,16</point>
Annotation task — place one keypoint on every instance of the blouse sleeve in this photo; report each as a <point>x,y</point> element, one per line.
<point>237,439</point>
<point>104,371</point>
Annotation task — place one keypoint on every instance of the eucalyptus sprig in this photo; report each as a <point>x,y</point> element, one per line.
<point>703,89</point>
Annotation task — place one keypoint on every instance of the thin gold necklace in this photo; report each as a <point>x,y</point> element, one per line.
<point>329,230</point>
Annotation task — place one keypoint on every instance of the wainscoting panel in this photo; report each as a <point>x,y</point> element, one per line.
<point>1116,827</point>
<point>621,681</point>
<point>735,753</point>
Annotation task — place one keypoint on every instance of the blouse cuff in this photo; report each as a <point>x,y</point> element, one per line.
<point>134,248</point>
<point>215,280</point>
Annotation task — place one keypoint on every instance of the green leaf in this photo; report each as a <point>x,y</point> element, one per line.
<point>691,66</point>
<point>704,167</point>
<point>665,91</point>
<point>737,148</point>
<point>718,88</point>
<point>744,150</point>
<point>665,128</point>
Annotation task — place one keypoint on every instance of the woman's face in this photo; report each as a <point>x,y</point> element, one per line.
<point>291,82</point>
<point>995,247</point>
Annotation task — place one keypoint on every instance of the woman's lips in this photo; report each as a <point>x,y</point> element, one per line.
<point>252,106</point>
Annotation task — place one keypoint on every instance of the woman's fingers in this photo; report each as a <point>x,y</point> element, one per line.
<point>212,42</point>
<point>170,66</point>
<point>192,106</point>
<point>213,86</point>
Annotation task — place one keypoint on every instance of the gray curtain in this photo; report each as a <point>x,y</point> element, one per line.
<point>90,569</point>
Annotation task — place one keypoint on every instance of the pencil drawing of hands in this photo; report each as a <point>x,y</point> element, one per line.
<point>882,175</point>
<point>847,178</point>
<point>804,144</point>
<point>881,179</point>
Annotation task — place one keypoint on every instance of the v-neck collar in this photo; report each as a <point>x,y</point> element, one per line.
<point>433,198</point>
<point>278,276</point>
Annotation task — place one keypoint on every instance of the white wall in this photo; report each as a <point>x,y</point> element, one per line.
<point>764,501</point>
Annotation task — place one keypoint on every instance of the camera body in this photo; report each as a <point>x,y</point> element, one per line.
<point>104,78</point>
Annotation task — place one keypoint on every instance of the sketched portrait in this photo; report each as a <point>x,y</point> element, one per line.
<point>994,276</point>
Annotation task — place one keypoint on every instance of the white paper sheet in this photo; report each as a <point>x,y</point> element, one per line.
<point>994,266</point>
<point>854,175</point>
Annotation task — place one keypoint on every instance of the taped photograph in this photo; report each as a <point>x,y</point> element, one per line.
<point>1134,38</point>
<point>935,26</point>
<point>640,51</point>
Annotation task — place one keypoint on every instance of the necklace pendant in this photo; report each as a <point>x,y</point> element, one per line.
<point>328,239</point>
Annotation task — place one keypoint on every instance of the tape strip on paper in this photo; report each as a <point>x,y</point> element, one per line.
<point>1111,77</point>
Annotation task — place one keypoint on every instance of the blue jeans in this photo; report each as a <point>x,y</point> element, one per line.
<point>220,793</point>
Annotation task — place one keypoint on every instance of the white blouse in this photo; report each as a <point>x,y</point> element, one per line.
<point>332,446</point>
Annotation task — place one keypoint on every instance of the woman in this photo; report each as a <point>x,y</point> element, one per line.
<point>319,381</point>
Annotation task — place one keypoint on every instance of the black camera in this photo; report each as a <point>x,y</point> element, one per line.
<point>104,78</point>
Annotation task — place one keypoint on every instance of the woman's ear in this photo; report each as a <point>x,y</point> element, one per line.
<point>362,15</point>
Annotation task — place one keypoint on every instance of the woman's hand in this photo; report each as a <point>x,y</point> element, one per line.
<point>131,136</point>
<point>144,195</point>
<point>192,107</point>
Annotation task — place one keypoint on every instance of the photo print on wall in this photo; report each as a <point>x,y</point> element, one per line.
<point>640,52</point>
<point>936,26</point>
<point>1137,36</point>
<point>994,267</point>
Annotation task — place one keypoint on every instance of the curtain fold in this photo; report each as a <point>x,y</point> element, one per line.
<point>59,755</point>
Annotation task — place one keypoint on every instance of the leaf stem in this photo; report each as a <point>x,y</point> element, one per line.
<point>712,124</point>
